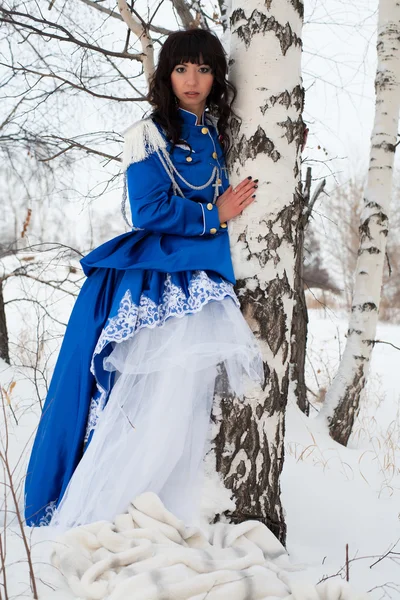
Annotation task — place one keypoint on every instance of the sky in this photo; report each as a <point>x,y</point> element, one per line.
<point>338,67</point>
<point>339,64</point>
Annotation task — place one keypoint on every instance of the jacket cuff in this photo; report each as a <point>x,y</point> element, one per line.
<point>211,224</point>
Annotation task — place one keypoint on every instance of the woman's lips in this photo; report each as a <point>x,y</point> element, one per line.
<point>191,93</point>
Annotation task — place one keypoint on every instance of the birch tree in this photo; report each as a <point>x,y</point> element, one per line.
<point>265,65</point>
<point>265,58</point>
<point>343,399</point>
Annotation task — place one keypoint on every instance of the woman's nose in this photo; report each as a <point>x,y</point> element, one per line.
<point>191,79</point>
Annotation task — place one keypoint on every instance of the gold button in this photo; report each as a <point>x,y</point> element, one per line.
<point>209,206</point>
<point>214,155</point>
<point>219,181</point>
<point>189,159</point>
<point>204,130</point>
<point>213,230</point>
<point>224,225</point>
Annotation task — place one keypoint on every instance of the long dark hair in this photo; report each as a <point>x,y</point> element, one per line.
<point>191,46</point>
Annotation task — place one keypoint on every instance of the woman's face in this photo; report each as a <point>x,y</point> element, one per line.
<point>191,84</point>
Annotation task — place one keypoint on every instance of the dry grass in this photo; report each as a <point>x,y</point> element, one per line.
<point>378,444</point>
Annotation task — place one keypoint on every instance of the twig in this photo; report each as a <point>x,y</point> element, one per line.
<point>3,568</point>
<point>72,84</point>
<point>385,555</point>
<point>4,459</point>
<point>10,18</point>
<point>115,15</point>
<point>388,343</point>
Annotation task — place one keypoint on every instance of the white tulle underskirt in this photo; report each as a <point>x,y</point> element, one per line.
<point>151,435</point>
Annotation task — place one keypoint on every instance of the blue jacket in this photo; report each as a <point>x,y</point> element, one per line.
<point>176,234</point>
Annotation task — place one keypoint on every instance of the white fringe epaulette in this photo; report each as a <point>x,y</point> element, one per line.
<point>140,140</point>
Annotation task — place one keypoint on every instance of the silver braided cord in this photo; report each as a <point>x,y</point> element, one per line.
<point>191,186</point>
<point>123,206</point>
<point>170,169</point>
<point>177,190</point>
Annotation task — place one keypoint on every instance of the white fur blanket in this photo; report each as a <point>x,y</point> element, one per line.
<point>148,554</point>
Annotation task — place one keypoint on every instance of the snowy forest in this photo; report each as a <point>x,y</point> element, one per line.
<point>302,487</point>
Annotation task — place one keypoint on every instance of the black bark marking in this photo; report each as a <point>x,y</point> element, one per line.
<point>259,22</point>
<point>298,6</point>
<point>267,309</point>
<point>342,421</point>
<point>293,129</point>
<point>267,374</point>
<point>299,328</point>
<point>295,98</point>
<point>4,347</point>
<point>257,144</point>
<point>371,250</point>
<point>387,147</point>
<point>286,218</point>
<point>367,306</point>
<point>381,220</point>
<point>372,204</point>
<point>249,482</point>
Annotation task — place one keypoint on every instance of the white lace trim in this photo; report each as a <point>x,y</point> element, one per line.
<point>95,410</point>
<point>132,317</point>
<point>48,514</point>
<point>174,303</point>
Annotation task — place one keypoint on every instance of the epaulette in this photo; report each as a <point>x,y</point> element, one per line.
<point>141,139</point>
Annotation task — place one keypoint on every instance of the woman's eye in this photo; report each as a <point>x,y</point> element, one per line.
<point>202,69</point>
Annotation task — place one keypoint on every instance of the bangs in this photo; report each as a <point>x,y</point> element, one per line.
<point>193,49</point>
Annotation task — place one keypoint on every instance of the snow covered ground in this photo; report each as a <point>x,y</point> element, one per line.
<point>332,495</point>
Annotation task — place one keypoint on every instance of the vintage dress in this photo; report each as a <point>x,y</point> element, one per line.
<point>175,263</point>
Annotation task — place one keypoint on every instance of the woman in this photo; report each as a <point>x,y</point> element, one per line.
<point>157,320</point>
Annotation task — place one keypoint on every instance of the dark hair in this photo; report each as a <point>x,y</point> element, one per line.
<point>191,46</point>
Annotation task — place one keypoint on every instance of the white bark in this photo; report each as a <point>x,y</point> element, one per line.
<point>143,35</point>
<point>266,69</point>
<point>342,401</point>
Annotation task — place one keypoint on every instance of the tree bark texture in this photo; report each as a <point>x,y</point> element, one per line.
<point>343,399</point>
<point>298,344</point>
<point>4,350</point>
<point>265,59</point>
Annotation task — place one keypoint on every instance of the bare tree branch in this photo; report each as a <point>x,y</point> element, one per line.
<point>83,88</point>
<point>140,29</point>
<point>10,16</point>
<point>184,14</point>
<point>74,144</point>
<point>115,15</point>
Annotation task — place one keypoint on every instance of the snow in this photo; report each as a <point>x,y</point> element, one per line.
<point>332,495</point>
<point>335,495</point>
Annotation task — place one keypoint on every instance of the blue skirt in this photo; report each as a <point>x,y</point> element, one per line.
<point>113,304</point>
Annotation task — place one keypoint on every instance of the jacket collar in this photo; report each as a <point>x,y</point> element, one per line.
<point>190,118</point>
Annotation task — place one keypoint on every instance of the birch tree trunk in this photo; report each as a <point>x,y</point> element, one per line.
<point>265,64</point>
<point>342,401</point>
<point>4,349</point>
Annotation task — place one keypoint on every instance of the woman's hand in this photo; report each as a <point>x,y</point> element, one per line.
<point>233,201</point>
